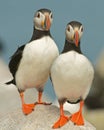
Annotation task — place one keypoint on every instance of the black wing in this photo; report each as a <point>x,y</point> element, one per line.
<point>15,60</point>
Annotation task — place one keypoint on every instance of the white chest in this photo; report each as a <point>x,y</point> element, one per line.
<point>72,75</point>
<point>37,59</point>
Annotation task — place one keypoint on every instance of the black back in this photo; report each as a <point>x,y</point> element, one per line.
<point>69,46</point>
<point>15,60</point>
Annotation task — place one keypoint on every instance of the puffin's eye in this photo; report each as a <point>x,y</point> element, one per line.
<point>51,16</point>
<point>68,29</point>
<point>82,29</point>
<point>38,15</point>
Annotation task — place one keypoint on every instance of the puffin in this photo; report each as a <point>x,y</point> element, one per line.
<point>30,64</point>
<point>72,75</point>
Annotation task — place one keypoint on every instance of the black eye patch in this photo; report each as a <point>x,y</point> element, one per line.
<point>38,15</point>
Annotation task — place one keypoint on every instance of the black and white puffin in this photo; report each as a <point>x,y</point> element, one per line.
<point>30,65</point>
<point>72,75</point>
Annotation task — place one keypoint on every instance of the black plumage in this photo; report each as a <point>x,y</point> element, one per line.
<point>37,34</point>
<point>75,24</point>
<point>43,10</point>
<point>14,63</point>
<point>69,46</point>
<point>15,60</point>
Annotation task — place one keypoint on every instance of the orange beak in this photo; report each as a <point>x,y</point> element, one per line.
<point>76,38</point>
<point>47,22</point>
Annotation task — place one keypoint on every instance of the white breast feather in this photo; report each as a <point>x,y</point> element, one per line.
<point>72,75</point>
<point>35,65</point>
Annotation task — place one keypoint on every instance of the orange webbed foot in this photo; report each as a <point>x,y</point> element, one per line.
<point>28,108</point>
<point>61,122</point>
<point>77,118</point>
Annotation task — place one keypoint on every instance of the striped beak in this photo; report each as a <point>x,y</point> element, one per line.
<point>46,23</point>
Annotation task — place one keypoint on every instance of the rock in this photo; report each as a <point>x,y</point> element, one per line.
<point>42,118</point>
<point>12,100</point>
<point>5,74</point>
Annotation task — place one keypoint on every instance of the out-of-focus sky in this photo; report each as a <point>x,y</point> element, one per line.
<point>16,23</point>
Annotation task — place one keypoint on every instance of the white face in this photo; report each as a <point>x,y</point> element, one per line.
<point>70,32</point>
<point>40,20</point>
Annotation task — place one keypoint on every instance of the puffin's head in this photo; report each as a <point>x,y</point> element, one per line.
<point>43,19</point>
<point>74,31</point>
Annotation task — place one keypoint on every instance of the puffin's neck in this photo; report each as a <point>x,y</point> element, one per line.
<point>69,46</point>
<point>39,34</point>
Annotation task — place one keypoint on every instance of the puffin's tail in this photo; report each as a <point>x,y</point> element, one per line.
<point>10,82</point>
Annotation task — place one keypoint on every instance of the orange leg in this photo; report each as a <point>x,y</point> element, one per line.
<point>62,120</point>
<point>77,117</point>
<point>40,99</point>
<point>26,108</point>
